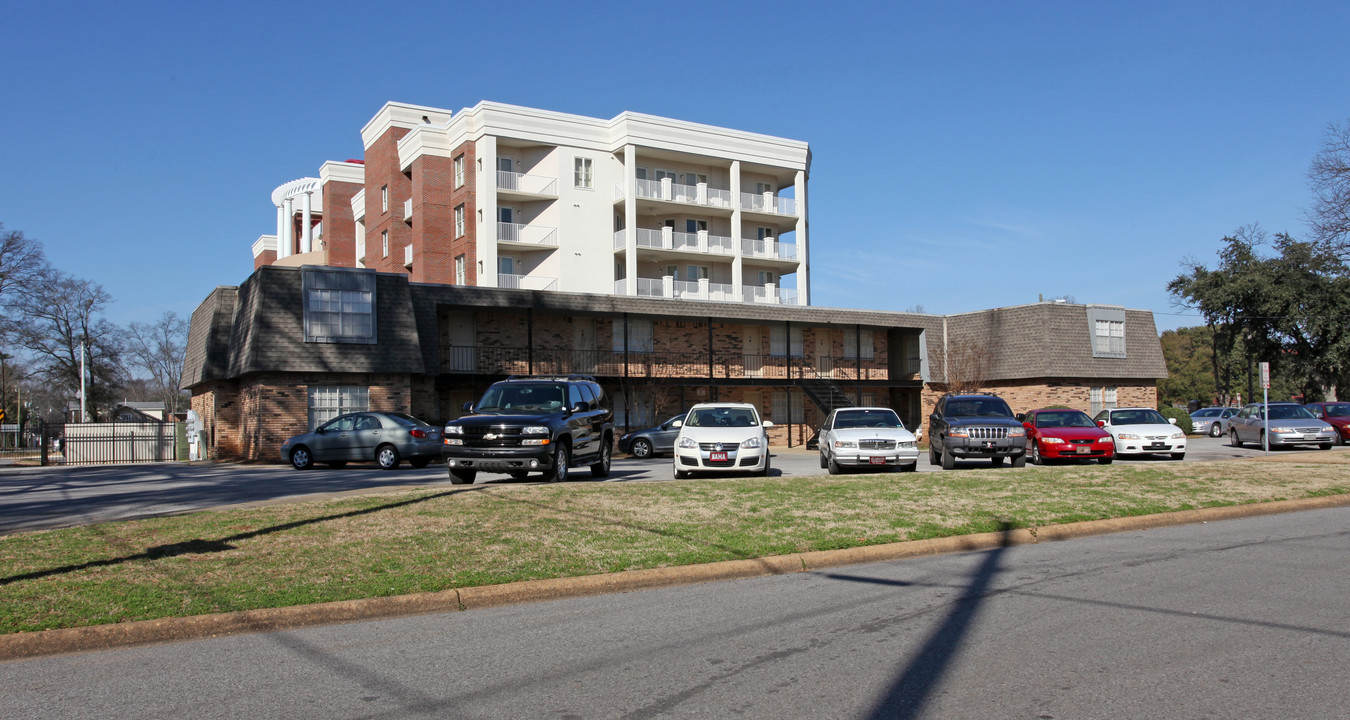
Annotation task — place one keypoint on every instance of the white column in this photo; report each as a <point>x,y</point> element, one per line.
<point>287,240</point>
<point>281,228</point>
<point>737,263</point>
<point>803,244</point>
<point>306,230</point>
<point>630,252</point>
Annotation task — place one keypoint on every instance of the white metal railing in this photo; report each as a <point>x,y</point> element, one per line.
<point>526,282</point>
<point>650,287</point>
<point>619,239</point>
<point>675,192</point>
<point>787,251</point>
<point>719,198</point>
<point>621,286</point>
<point>766,203</point>
<point>757,248</point>
<point>526,234</point>
<point>532,184</point>
<point>649,189</point>
<point>646,237</point>
<point>722,292</point>
<point>770,294</point>
<point>788,296</point>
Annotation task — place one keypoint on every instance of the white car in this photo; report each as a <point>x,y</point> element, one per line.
<point>717,437</point>
<point>1143,431</point>
<point>863,437</point>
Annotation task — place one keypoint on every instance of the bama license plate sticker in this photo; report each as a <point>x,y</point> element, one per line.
<point>717,456</point>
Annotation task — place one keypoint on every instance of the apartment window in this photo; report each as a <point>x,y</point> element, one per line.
<point>1102,398</point>
<point>329,401</point>
<point>339,306</point>
<point>640,339</point>
<point>762,233</point>
<point>692,226</point>
<point>853,337</point>
<point>695,178</point>
<point>384,242</point>
<point>384,198</point>
<point>787,407</point>
<point>782,342</point>
<point>461,276</point>
<point>698,272</point>
<point>765,277</point>
<point>581,172</point>
<point>673,271</point>
<point>1107,328</point>
<point>459,171</point>
<point>459,221</point>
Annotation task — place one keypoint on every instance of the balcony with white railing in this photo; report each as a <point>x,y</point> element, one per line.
<point>768,204</point>
<point>522,184</point>
<point>521,234</point>
<point>770,294</point>
<point>526,282</point>
<point>667,239</point>
<point>666,190</point>
<point>669,287</point>
<point>768,248</point>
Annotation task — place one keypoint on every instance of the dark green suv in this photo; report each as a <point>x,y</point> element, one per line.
<point>544,424</point>
<point>975,426</point>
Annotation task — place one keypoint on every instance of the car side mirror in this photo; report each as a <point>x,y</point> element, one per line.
<point>1026,425</point>
<point>580,407</point>
<point>1101,423</point>
<point>319,431</point>
<point>1021,417</point>
<point>677,424</point>
<point>768,423</point>
<point>468,406</point>
<point>1172,420</point>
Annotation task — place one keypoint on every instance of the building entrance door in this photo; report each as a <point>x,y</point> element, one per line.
<point>461,351</point>
<point>753,350</point>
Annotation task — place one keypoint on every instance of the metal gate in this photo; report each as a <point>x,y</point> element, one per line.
<point>108,443</point>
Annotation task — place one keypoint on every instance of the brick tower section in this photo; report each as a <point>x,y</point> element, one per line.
<point>435,197</point>
<point>339,227</point>
<point>382,170</point>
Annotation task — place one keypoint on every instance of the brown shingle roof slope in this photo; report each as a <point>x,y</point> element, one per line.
<point>269,330</point>
<point>1054,340</point>
<point>207,354</point>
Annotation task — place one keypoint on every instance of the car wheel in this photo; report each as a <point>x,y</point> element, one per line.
<point>997,460</point>
<point>767,465</point>
<point>420,463</point>
<point>463,477</point>
<point>831,466</point>
<point>1036,458</point>
<point>1215,430</point>
<point>301,459</point>
<point>1020,461</point>
<point>948,460</point>
<point>601,469</point>
<point>1179,456</point>
<point>823,462</point>
<point>387,457</point>
<point>338,464</point>
<point>910,467</point>
<point>680,474</point>
<point>641,449</point>
<point>1340,439</point>
<point>1106,460</point>
<point>561,456</point>
<point>1233,438</point>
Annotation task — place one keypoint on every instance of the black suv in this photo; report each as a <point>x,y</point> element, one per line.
<point>532,424</point>
<point>975,427</point>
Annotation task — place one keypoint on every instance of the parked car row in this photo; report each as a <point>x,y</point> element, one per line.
<point>1320,423</point>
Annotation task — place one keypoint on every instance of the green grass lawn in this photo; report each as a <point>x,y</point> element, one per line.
<point>435,539</point>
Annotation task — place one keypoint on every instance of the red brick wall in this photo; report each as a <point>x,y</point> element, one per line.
<point>339,226</point>
<point>267,257</point>
<point>382,169</point>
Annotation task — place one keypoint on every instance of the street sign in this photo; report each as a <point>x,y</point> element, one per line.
<point>1265,375</point>
<point>2,414</point>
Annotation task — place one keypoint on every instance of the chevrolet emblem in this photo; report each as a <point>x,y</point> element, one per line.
<point>489,436</point>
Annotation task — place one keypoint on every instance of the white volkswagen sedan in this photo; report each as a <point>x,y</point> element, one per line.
<point>867,437</point>
<point>1143,431</point>
<point>720,437</point>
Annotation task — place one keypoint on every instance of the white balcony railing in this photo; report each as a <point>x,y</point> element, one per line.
<point>668,287</point>
<point>668,239</point>
<point>768,203</point>
<point>526,234</point>
<point>770,294</point>
<point>530,184</point>
<point>526,282</point>
<point>670,191</point>
<point>769,248</point>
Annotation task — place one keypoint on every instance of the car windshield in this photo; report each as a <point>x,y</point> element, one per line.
<point>1064,419</point>
<point>978,407</point>
<point>867,419</point>
<point>519,397</point>
<point>722,417</point>
<point>1290,412</point>
<point>1337,409</point>
<point>1138,417</point>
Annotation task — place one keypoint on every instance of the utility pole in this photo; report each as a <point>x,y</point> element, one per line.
<point>84,417</point>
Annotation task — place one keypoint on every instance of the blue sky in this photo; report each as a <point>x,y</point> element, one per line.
<point>966,155</point>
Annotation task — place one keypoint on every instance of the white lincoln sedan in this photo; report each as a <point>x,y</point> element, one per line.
<point>867,437</point>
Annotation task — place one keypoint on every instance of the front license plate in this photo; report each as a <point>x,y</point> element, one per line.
<point>989,444</point>
<point>1310,436</point>
<point>877,460</point>
<point>1084,450</point>
<point>1158,446</point>
<point>717,456</point>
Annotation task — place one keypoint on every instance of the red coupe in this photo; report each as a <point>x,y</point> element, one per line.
<point>1059,434</point>
<point>1335,414</point>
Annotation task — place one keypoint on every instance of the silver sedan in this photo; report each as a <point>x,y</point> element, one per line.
<point>867,437</point>
<point>1289,423</point>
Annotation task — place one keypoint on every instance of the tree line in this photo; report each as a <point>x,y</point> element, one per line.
<point>50,315</point>
<point>1273,298</point>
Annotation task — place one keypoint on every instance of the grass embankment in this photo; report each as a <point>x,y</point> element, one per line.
<point>435,539</point>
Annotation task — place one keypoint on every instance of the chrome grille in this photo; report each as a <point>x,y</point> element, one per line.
<point>876,444</point>
<point>1311,430</point>
<point>712,447</point>
<point>986,433</point>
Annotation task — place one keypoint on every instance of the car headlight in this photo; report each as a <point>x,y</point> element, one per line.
<point>1052,441</point>
<point>906,445</point>
<point>688,443</point>
<point>1128,436</point>
<point>958,432</point>
<point>1281,429</point>
<point>535,430</point>
<point>1178,436</point>
<point>845,444</point>
<point>534,441</point>
<point>751,443</point>
<point>454,430</point>
<point>454,441</point>
<point>1017,432</point>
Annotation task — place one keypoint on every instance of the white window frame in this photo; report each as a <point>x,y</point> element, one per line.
<point>461,270</point>
<point>384,242</point>
<point>459,221</point>
<point>1106,331</point>
<point>583,177</point>
<point>326,402</point>
<point>459,171</point>
<point>339,305</point>
<point>384,198</point>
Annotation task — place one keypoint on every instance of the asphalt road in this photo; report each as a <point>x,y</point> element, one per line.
<point>39,498</point>
<point>1235,619</point>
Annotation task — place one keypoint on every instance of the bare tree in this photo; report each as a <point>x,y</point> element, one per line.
<point>158,348</point>
<point>967,365</point>
<point>21,263</point>
<point>57,313</point>
<point>1329,180</point>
